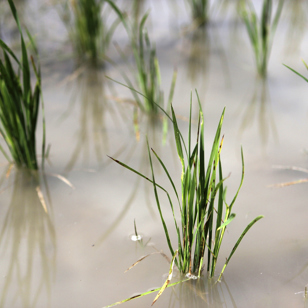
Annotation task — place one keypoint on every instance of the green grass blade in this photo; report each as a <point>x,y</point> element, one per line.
<point>231,217</point>
<point>158,203</point>
<point>167,280</point>
<point>297,73</point>
<point>238,242</point>
<point>7,49</point>
<point>168,175</point>
<point>178,140</point>
<point>135,171</point>
<point>145,293</point>
<point>242,179</point>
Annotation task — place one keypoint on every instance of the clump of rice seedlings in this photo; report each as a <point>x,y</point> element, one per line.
<point>297,73</point>
<point>19,103</point>
<point>200,11</point>
<point>87,22</point>
<point>148,72</point>
<point>204,210</point>
<point>147,79</point>
<point>261,31</point>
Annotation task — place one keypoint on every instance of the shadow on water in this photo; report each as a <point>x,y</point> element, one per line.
<point>258,110</point>
<point>28,244</point>
<point>202,292</point>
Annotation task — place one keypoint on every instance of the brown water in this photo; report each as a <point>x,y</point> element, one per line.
<point>76,255</point>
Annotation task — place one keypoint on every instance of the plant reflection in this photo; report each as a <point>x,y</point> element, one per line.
<point>202,292</point>
<point>297,25</point>
<point>198,53</point>
<point>28,244</point>
<point>95,112</point>
<point>259,109</point>
<point>151,128</point>
<point>201,47</point>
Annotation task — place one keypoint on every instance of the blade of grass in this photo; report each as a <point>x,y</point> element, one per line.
<point>165,285</point>
<point>238,242</point>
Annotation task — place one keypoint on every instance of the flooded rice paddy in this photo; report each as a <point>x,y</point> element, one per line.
<point>76,255</point>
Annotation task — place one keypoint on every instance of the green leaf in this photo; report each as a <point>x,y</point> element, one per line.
<point>231,217</point>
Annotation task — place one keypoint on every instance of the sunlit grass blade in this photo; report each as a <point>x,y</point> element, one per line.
<point>145,293</point>
<point>231,217</point>
<point>165,285</point>
<point>141,259</point>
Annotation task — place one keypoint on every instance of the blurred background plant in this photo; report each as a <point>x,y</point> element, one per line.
<point>90,27</point>
<point>199,11</point>
<point>261,31</point>
<point>296,13</point>
<point>146,87</point>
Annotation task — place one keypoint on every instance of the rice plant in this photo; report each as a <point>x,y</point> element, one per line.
<point>205,213</point>
<point>200,11</point>
<point>147,77</point>
<point>19,103</point>
<point>87,22</point>
<point>261,31</point>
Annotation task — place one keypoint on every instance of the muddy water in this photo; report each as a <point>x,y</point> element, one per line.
<point>76,255</point>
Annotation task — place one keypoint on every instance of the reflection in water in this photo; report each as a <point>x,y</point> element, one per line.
<point>297,23</point>
<point>259,109</point>
<point>153,131</point>
<point>94,112</point>
<point>198,45</point>
<point>202,48</point>
<point>202,292</point>
<point>28,245</point>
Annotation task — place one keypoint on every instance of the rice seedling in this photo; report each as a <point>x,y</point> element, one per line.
<point>261,31</point>
<point>87,23</point>
<point>19,104</point>
<point>200,11</point>
<point>148,78</point>
<point>205,213</point>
